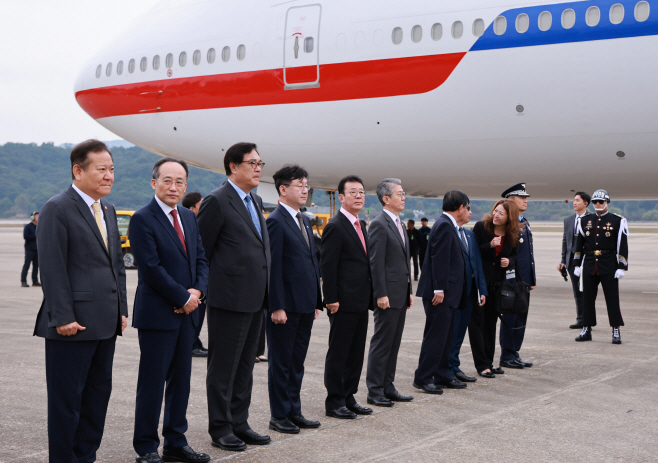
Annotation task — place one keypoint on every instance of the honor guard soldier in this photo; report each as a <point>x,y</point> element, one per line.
<point>602,256</point>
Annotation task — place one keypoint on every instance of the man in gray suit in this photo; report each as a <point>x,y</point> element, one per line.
<point>237,246</point>
<point>84,305</point>
<point>391,282</point>
<point>580,202</point>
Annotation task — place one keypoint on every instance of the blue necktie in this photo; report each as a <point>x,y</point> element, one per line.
<point>252,212</point>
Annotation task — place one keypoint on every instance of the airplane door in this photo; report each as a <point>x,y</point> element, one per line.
<point>301,45</point>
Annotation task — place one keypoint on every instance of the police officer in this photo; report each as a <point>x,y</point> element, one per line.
<point>512,328</point>
<point>424,238</point>
<point>30,237</point>
<point>602,253</point>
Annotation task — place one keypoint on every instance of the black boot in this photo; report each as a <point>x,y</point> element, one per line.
<point>585,334</point>
<point>616,336</point>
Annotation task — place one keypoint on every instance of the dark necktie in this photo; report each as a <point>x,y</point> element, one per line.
<point>179,230</point>
<point>303,228</point>
<point>462,235</point>
<point>252,212</point>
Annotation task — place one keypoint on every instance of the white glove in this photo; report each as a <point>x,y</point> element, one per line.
<point>619,274</point>
<point>576,271</point>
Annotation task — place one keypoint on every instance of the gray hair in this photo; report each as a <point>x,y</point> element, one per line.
<point>385,188</point>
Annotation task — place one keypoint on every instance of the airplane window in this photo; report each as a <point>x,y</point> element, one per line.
<point>196,57</point>
<point>182,59</point>
<point>156,62</point>
<point>416,34</point>
<point>169,61</point>
<point>308,44</point>
<point>119,67</point>
<point>131,66</point>
<point>522,23</point>
<point>593,16</point>
<point>642,11</point>
<point>143,64</point>
<point>211,56</point>
<point>396,36</point>
<point>99,69</point>
<point>500,25</point>
<point>568,18</point>
<point>545,21</point>
<point>242,52</point>
<point>226,54</point>
<point>108,70</point>
<point>437,31</point>
<point>616,13</point>
<point>457,29</point>
<point>478,28</point>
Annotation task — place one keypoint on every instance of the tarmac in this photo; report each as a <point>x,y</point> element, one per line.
<point>585,402</point>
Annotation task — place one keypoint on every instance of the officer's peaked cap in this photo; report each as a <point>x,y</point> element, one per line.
<point>601,194</point>
<point>516,190</point>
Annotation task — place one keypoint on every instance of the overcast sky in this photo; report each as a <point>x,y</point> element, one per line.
<point>43,46</point>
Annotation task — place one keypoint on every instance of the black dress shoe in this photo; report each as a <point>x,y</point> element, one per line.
<point>511,364</point>
<point>452,384</point>
<point>184,454</point>
<point>149,458</point>
<point>199,353</point>
<point>262,358</point>
<point>229,442</point>
<point>616,336</point>
<point>303,423</point>
<point>585,335</point>
<point>524,364</point>
<point>24,284</point>
<point>251,437</point>
<point>36,284</point>
<point>488,374</point>
<point>463,378</point>
<point>257,360</point>
<point>342,413</point>
<point>498,371</point>
<point>429,388</point>
<point>575,326</point>
<point>359,410</point>
<point>380,401</point>
<point>397,397</point>
<point>283,425</point>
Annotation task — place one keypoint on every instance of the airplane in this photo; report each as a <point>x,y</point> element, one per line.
<point>475,95</point>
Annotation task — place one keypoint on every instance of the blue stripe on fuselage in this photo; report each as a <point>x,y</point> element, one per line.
<point>580,32</point>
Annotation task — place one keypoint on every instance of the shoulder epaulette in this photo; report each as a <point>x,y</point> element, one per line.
<point>618,215</point>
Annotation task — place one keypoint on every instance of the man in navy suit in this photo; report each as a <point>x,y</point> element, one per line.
<point>476,290</point>
<point>443,288</point>
<point>172,278</point>
<point>295,299</point>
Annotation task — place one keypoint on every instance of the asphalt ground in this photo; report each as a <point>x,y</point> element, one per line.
<point>585,402</point>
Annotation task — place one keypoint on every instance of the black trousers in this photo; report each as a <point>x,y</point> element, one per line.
<point>261,336</point>
<point>421,256</point>
<point>31,257</point>
<point>165,368</point>
<point>197,339</point>
<point>414,259</point>
<point>512,332</point>
<point>577,293</point>
<point>344,362</point>
<point>482,333</point>
<point>232,344</point>
<point>384,348</point>
<point>287,346</point>
<point>79,384</point>
<point>610,286</point>
<point>433,364</point>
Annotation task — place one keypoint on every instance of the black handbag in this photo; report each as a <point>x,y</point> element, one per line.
<point>512,298</point>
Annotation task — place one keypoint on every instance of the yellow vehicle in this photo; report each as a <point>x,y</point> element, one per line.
<point>123,222</point>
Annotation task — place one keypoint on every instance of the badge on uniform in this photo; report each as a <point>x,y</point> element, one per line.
<point>587,233</point>
<point>521,240</point>
<point>607,234</point>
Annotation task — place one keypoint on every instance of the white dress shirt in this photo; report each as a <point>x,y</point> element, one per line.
<point>292,212</point>
<point>167,211</point>
<point>89,201</point>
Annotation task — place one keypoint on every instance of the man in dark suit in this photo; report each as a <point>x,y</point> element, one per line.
<point>424,231</point>
<point>512,327</point>
<point>84,305</point>
<point>172,277</point>
<point>443,287</point>
<point>347,289</point>
<point>580,202</point>
<point>414,244</point>
<point>237,246</point>
<point>391,282</point>
<point>30,237</point>
<point>295,299</point>
<point>476,292</point>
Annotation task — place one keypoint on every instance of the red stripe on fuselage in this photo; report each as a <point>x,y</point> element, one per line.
<point>340,81</point>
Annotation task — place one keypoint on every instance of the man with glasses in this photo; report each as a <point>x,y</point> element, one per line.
<point>347,288</point>
<point>603,245</point>
<point>237,246</point>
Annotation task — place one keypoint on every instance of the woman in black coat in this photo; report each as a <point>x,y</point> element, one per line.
<point>497,236</point>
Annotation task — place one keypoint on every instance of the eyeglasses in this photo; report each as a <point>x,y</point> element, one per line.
<point>168,182</point>
<point>400,194</point>
<point>253,163</point>
<point>303,187</point>
<point>597,201</point>
<point>356,193</point>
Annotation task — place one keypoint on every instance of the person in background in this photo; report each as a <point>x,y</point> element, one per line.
<point>569,238</point>
<point>424,238</point>
<point>414,244</point>
<point>192,201</point>
<point>30,237</point>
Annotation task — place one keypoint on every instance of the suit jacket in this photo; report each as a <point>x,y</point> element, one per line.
<point>30,236</point>
<point>525,260</point>
<point>239,258</point>
<point>295,276</point>
<point>165,271</point>
<point>414,241</point>
<point>493,272</point>
<point>389,261</point>
<point>473,262</point>
<point>443,268</point>
<point>345,266</point>
<point>82,281</point>
<point>569,239</point>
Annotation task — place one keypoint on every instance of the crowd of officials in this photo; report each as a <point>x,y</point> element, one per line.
<point>219,257</point>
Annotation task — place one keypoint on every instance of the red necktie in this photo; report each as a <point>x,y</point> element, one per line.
<point>357,224</point>
<point>179,231</point>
